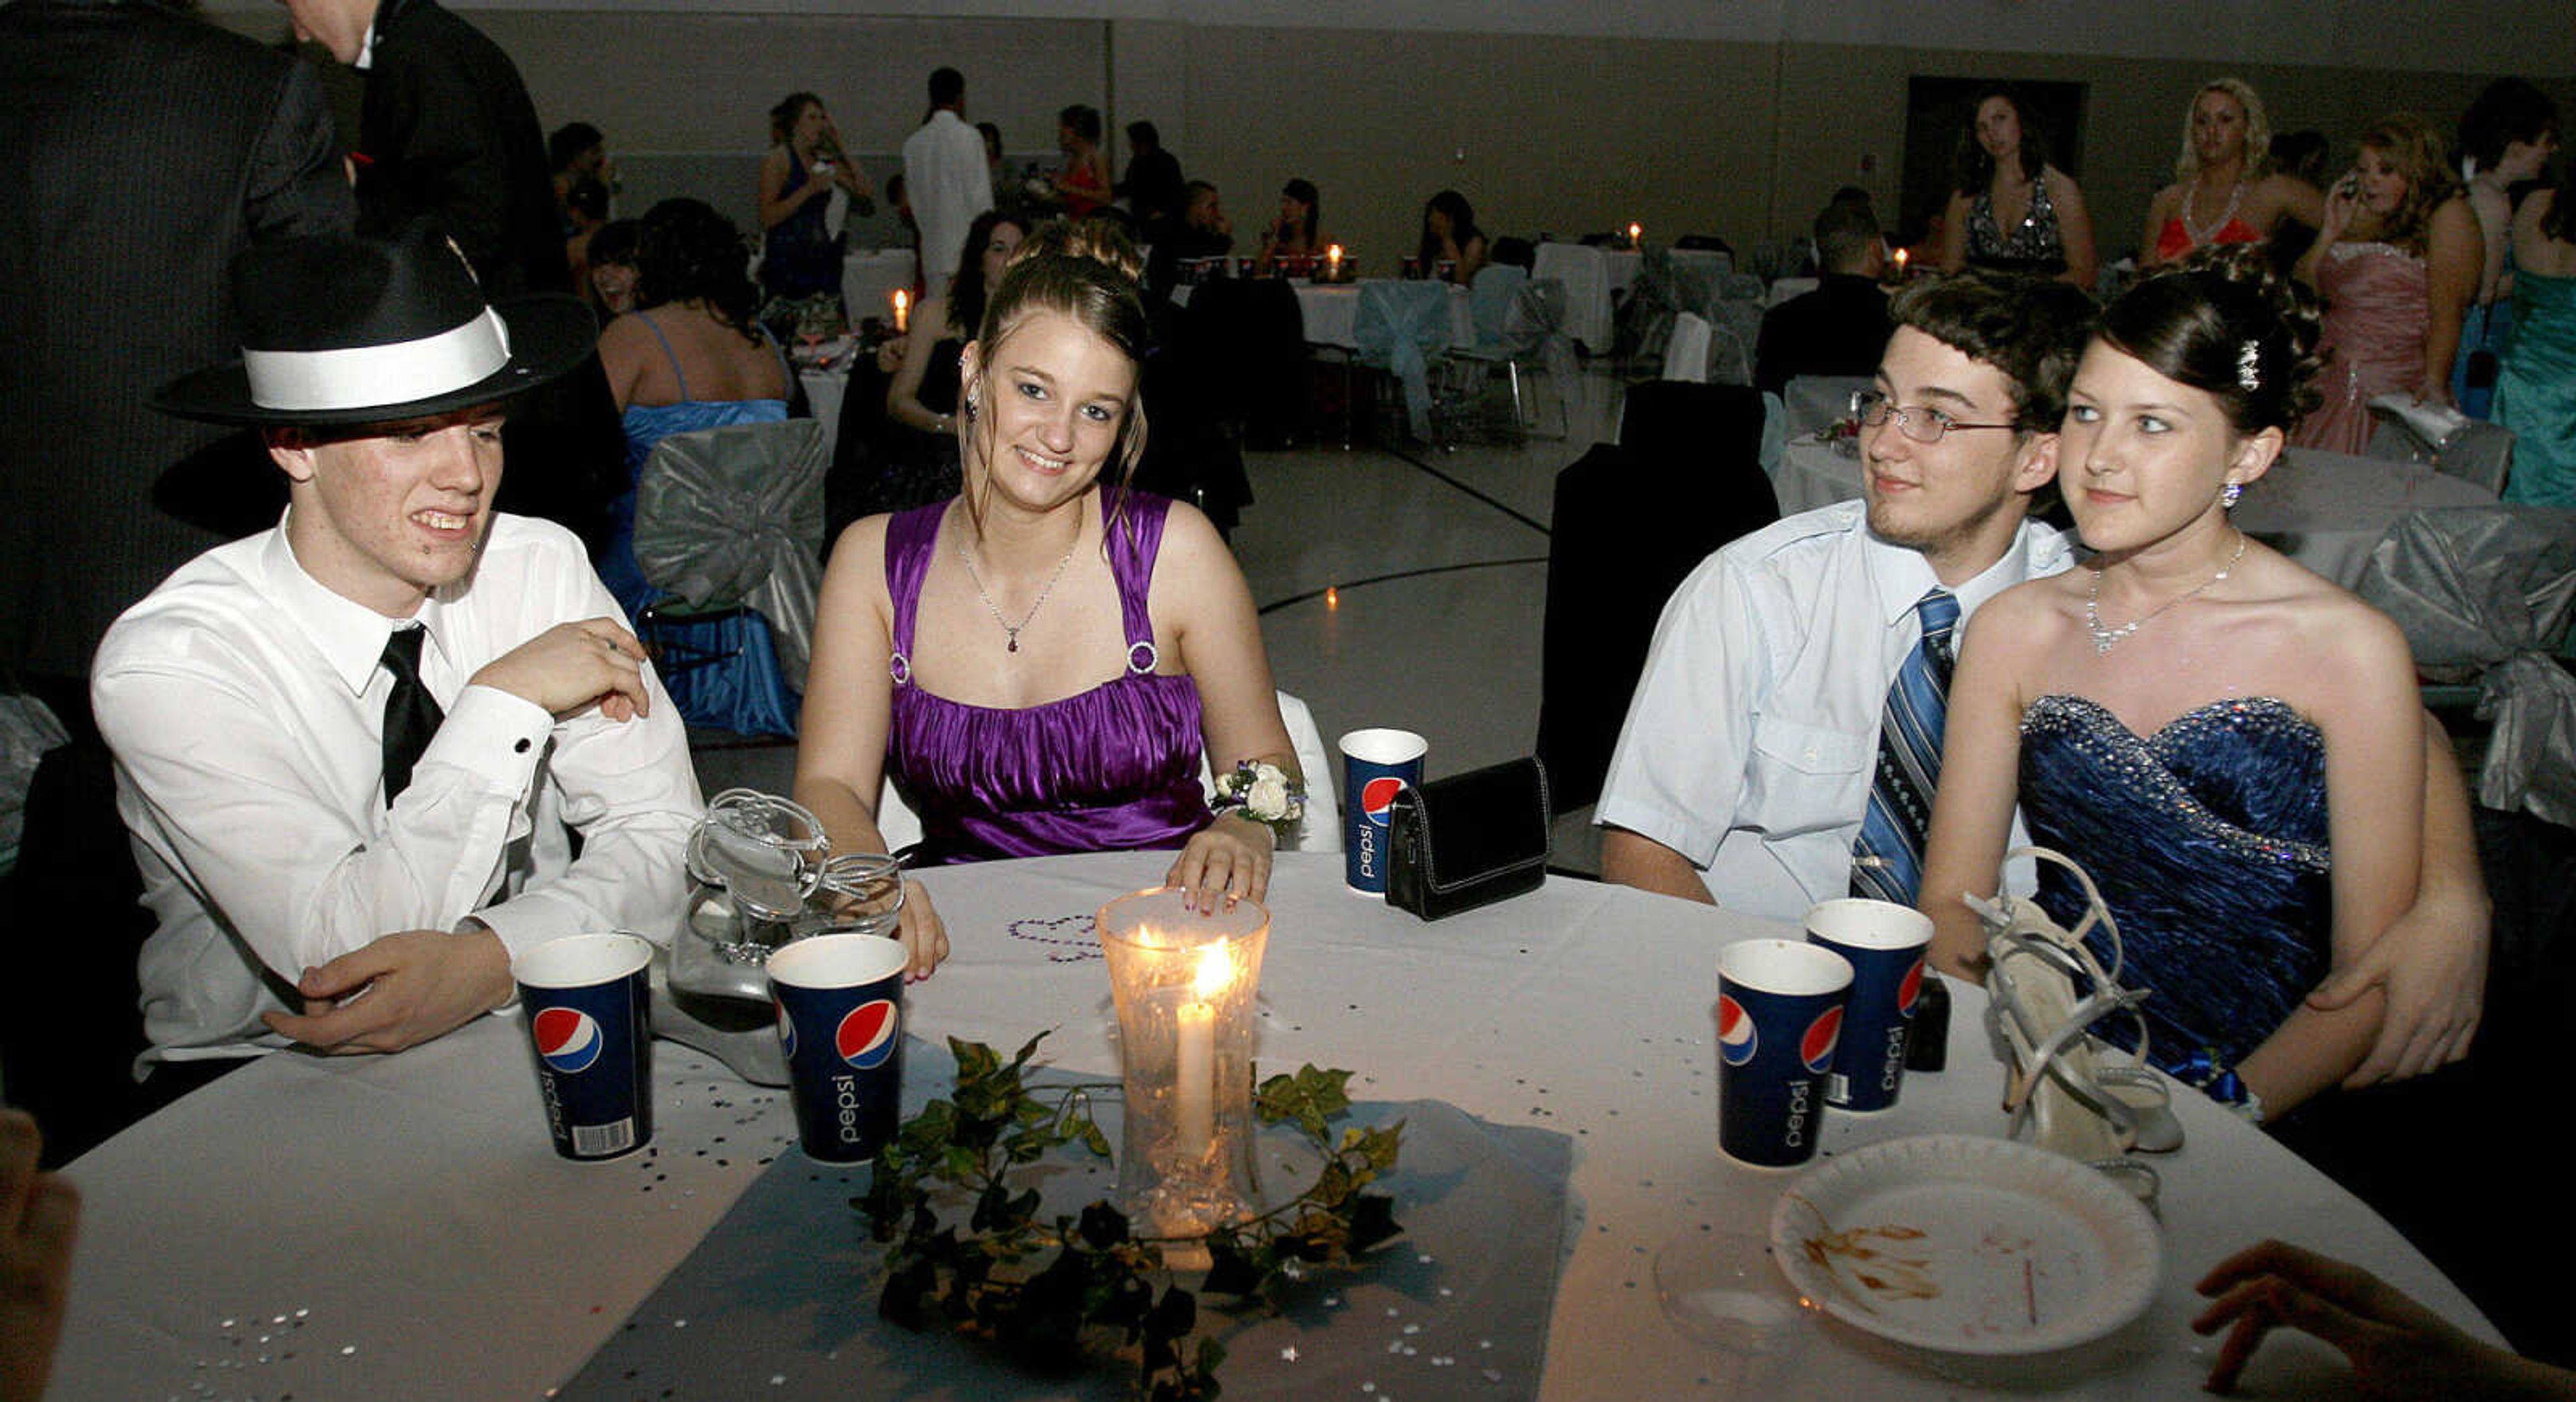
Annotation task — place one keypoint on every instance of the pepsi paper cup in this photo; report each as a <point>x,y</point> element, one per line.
<point>1779,1016</point>
<point>840,1028</point>
<point>1884,945</point>
<point>586,1001</point>
<point>1376,766</point>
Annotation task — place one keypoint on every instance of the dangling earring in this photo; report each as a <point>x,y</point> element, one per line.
<point>2228,494</point>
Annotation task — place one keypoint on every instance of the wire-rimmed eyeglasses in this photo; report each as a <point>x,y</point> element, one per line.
<point>1920,422</point>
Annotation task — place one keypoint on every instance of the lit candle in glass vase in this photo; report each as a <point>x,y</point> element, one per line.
<point>1185,983</point>
<point>1333,262</point>
<point>1194,1079</point>
<point>1636,234</point>
<point>902,310</point>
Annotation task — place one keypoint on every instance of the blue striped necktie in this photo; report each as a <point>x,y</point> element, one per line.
<point>1887,860</point>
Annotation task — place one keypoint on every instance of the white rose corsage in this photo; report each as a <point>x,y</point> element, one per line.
<point>1262,792</point>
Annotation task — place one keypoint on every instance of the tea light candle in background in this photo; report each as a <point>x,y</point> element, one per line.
<point>1636,234</point>
<point>1902,255</point>
<point>902,310</point>
<point>1333,260</point>
<point>1194,1082</point>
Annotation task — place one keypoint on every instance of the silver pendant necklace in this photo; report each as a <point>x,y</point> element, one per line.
<point>1009,629</point>
<point>2105,639</point>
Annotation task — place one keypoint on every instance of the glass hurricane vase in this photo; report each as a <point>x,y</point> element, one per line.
<point>1185,985</point>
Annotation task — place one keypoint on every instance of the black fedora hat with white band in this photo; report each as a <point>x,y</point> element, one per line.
<point>343,329</point>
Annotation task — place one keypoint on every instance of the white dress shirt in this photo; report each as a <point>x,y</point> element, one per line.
<point>1751,741</point>
<point>948,182</point>
<point>245,705</point>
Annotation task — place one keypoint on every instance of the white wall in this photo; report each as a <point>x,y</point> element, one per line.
<point>1687,115</point>
<point>2526,36</point>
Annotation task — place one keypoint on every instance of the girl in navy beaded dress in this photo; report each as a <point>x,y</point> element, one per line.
<point>2191,716</point>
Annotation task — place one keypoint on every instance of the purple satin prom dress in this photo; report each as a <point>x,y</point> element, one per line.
<point>1109,769</point>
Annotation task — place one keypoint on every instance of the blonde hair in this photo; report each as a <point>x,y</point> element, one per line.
<point>2258,130</point>
<point>2410,144</point>
<point>1085,270</point>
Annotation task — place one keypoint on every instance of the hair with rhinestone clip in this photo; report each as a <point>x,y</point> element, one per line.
<point>2223,321</point>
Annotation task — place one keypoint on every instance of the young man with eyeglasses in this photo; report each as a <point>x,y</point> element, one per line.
<point>1755,770</point>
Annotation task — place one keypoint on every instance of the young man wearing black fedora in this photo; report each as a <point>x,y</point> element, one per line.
<point>348,748</point>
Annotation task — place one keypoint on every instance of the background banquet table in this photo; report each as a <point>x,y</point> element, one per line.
<point>1596,277</point>
<point>869,277</point>
<point>400,1227</point>
<point>1330,311</point>
<point>2324,510</point>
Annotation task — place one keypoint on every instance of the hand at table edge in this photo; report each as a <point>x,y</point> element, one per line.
<point>2397,1347</point>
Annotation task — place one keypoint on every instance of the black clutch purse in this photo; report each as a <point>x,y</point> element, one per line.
<point>1469,840</point>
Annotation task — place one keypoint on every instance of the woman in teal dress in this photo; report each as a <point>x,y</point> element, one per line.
<point>2231,746</point>
<point>2536,389</point>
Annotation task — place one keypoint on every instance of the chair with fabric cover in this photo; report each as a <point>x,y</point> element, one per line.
<point>1734,308</point>
<point>1400,327</point>
<point>1518,323</point>
<point>1584,270</point>
<point>1818,401</point>
<point>1666,287</point>
<point>1631,521</point>
<point>1320,832</point>
<point>729,526</point>
<point>1242,342</point>
<point>1686,353</point>
<point>2486,596</point>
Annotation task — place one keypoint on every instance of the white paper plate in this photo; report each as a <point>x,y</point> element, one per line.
<point>1968,1245</point>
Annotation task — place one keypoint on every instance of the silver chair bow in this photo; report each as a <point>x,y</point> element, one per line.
<point>2486,594</point>
<point>734,516</point>
<point>1398,328</point>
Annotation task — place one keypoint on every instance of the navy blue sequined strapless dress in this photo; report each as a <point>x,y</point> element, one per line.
<point>2208,841</point>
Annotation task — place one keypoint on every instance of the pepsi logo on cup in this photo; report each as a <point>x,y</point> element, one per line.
<point>866,1036</point>
<point>786,1032</point>
<point>1737,1039</point>
<point>1909,989</point>
<point>1378,796</point>
<point>1816,1046</point>
<point>568,1039</point>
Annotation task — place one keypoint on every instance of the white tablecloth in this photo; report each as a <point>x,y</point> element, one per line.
<point>2324,510</point>
<point>400,1227</point>
<point>869,278</point>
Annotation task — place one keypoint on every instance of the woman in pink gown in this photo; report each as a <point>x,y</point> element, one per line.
<point>2397,260</point>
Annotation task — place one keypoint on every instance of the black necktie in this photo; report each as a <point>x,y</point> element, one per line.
<point>411,716</point>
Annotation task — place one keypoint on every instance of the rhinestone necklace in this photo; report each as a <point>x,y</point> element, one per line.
<point>1012,630</point>
<point>2199,234</point>
<point>2105,639</point>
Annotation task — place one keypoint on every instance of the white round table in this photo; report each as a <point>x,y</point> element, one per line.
<point>394,1227</point>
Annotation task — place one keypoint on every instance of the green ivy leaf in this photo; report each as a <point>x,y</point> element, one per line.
<point>1372,1221</point>
<point>1231,1271</point>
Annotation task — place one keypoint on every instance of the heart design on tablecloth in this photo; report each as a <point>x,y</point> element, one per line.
<point>1071,938</point>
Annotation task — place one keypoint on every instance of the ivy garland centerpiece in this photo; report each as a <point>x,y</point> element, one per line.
<point>1050,1289</point>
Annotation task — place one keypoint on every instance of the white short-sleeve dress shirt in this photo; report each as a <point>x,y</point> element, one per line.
<point>245,705</point>
<point>1753,734</point>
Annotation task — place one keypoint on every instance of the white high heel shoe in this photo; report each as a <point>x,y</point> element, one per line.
<point>2067,1091</point>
